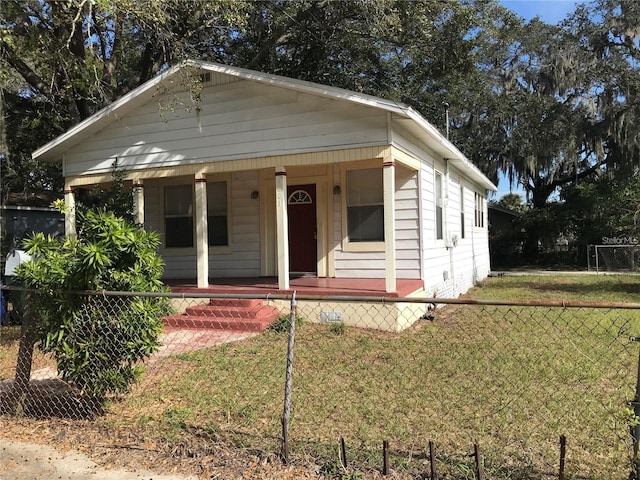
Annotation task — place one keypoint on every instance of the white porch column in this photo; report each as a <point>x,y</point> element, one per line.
<point>282,229</point>
<point>389,189</point>
<point>202,232</point>
<point>70,213</point>
<point>138,202</point>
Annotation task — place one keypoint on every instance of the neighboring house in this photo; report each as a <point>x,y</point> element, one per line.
<point>22,216</point>
<point>505,236</point>
<point>271,176</point>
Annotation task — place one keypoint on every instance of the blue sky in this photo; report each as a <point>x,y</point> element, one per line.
<point>550,11</point>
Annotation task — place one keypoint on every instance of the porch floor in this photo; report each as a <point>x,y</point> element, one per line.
<point>368,287</point>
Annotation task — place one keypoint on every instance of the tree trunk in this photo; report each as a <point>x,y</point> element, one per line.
<point>539,196</point>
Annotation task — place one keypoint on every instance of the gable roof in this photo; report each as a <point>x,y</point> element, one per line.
<point>54,150</point>
<point>507,211</point>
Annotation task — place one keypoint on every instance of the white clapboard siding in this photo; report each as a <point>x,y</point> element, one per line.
<point>447,272</point>
<point>244,259</point>
<point>360,265</point>
<point>428,205</point>
<point>261,124</point>
<point>407,227</point>
<point>239,120</point>
<point>407,231</point>
<point>180,267</point>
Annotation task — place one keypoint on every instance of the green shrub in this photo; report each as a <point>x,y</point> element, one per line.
<point>338,328</point>
<point>281,324</point>
<point>97,341</point>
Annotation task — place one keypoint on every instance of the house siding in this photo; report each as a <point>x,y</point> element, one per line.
<point>435,254</point>
<point>235,120</point>
<point>407,227</point>
<point>244,258</point>
<point>244,130</point>
<point>372,264</point>
<point>447,272</point>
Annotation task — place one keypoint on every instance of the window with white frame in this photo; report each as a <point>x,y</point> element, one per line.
<point>479,209</point>
<point>439,201</point>
<point>178,216</point>
<point>365,205</point>
<point>462,231</point>
<point>217,216</point>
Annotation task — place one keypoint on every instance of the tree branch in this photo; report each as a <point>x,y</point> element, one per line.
<point>280,34</point>
<point>34,80</point>
<point>579,175</point>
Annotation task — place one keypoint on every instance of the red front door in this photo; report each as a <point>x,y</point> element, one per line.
<point>301,210</point>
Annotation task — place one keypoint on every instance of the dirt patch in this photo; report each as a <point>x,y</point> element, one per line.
<point>118,449</point>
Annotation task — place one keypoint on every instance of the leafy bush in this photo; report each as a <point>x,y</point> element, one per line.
<point>97,341</point>
<point>282,323</point>
<point>338,328</point>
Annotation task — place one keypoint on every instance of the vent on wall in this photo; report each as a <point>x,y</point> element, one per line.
<point>205,77</point>
<point>330,317</point>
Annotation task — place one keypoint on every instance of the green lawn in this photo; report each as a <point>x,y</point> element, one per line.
<point>584,288</point>
<point>511,378</point>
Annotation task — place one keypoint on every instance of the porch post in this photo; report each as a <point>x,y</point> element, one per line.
<point>202,232</point>
<point>282,229</point>
<point>138,202</point>
<point>70,213</point>
<point>389,189</point>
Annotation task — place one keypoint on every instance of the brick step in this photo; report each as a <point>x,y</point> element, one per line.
<point>224,311</point>
<point>258,322</point>
<point>236,302</point>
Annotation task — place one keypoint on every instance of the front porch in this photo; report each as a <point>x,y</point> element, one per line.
<point>306,285</point>
<point>318,301</point>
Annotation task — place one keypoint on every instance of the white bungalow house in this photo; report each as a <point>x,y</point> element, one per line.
<point>268,176</point>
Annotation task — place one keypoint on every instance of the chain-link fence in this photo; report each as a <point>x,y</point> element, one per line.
<point>613,258</point>
<point>433,383</point>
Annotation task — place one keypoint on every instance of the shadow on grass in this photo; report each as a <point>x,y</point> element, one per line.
<point>9,335</point>
<point>557,286</point>
<point>599,288</point>
<point>50,398</point>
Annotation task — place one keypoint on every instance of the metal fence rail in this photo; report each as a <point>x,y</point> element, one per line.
<point>435,383</point>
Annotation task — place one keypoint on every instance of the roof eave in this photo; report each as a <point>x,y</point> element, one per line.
<point>52,151</point>
<point>452,151</point>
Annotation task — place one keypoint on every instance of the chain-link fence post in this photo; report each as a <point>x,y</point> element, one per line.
<point>287,389</point>
<point>25,357</point>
